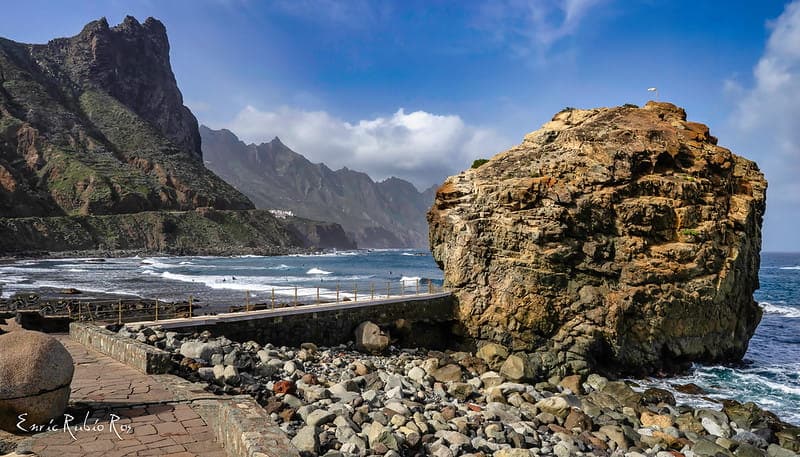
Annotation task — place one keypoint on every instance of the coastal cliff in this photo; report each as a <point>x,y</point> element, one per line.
<point>94,125</point>
<point>620,239</point>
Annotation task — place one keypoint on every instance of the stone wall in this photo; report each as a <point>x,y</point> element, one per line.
<point>413,322</point>
<point>244,428</point>
<point>143,357</point>
<point>241,426</point>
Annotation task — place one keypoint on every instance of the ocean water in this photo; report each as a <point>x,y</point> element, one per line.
<point>769,374</point>
<point>221,281</point>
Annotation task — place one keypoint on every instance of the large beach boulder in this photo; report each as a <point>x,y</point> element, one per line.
<point>35,375</point>
<point>613,238</point>
<point>370,338</point>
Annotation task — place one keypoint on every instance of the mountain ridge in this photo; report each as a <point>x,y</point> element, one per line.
<point>383,214</point>
<point>94,135</point>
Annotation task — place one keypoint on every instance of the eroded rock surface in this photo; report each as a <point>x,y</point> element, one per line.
<point>613,238</point>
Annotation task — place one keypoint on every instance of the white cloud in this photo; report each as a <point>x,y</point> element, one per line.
<point>533,26</point>
<point>421,147</point>
<point>766,123</point>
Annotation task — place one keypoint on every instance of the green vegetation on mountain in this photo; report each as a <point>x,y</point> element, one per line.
<point>95,125</point>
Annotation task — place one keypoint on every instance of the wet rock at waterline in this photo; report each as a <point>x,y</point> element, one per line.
<point>338,401</point>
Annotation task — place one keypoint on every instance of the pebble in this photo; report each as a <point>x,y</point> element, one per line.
<point>340,402</point>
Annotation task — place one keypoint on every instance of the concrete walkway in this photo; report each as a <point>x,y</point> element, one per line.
<point>289,311</point>
<point>151,421</point>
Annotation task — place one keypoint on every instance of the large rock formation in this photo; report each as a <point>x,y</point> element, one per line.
<point>94,125</point>
<point>35,375</point>
<point>622,239</point>
<point>386,214</point>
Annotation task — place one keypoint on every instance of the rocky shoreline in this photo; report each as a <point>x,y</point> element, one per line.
<point>338,401</point>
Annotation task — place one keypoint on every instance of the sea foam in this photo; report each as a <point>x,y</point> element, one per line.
<point>785,311</point>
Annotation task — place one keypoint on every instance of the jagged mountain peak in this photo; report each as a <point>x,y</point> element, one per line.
<point>130,62</point>
<point>390,213</point>
<point>95,124</point>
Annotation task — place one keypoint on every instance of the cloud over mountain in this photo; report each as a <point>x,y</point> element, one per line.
<point>418,146</point>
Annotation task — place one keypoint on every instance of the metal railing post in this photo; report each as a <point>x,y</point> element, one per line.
<point>388,288</point>
<point>402,288</point>
<point>247,300</point>
<point>190,305</point>
<point>156,319</point>
<point>417,286</point>
<point>318,295</point>
<point>295,295</point>
<point>372,291</point>
<point>273,298</point>
<point>337,291</point>
<point>430,287</point>
<point>355,291</point>
<point>119,312</point>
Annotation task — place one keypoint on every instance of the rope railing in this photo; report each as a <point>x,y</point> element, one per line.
<point>122,311</point>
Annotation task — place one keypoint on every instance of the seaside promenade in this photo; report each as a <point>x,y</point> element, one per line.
<point>129,413</point>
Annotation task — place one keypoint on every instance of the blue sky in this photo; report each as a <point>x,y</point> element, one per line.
<point>418,89</point>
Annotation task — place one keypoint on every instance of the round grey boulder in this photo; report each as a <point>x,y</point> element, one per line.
<point>35,375</point>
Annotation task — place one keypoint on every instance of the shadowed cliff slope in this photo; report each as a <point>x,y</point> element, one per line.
<point>618,238</point>
<point>386,214</point>
<point>94,125</point>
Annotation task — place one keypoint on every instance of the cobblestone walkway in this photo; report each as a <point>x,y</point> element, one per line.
<point>129,413</point>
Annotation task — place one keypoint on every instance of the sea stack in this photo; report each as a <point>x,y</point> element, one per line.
<point>622,240</point>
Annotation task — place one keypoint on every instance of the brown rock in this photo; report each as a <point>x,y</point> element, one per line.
<point>361,369</point>
<point>593,441</point>
<point>310,379</point>
<point>649,419</point>
<point>654,396</point>
<point>448,373</point>
<point>284,387</point>
<point>474,365</point>
<point>516,368</point>
<point>287,414</point>
<point>578,419</point>
<point>493,354</point>
<point>370,338</point>
<point>690,388</point>
<point>617,234</point>
<point>35,376</point>
<point>273,406</point>
<point>573,383</point>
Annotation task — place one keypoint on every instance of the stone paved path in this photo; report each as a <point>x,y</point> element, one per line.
<point>149,424</point>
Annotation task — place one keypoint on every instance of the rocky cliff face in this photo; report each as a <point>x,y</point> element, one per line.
<point>204,231</point>
<point>95,124</point>
<point>622,239</point>
<point>98,153</point>
<point>387,214</point>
